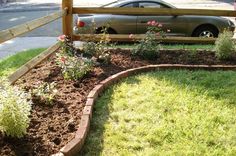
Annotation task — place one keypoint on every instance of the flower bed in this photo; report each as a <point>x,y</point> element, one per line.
<point>52,126</point>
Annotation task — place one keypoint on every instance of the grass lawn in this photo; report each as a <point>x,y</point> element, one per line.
<point>10,64</point>
<point>166,113</point>
<point>174,46</point>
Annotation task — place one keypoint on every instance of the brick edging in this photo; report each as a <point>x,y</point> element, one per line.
<point>76,144</point>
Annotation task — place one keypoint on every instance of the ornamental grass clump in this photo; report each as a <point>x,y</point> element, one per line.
<point>224,45</point>
<point>15,108</point>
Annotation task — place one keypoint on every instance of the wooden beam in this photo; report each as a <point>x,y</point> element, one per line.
<point>135,38</point>
<point>28,26</point>
<point>67,20</point>
<point>32,63</point>
<point>153,11</point>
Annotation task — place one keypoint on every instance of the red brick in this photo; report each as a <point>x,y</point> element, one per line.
<point>83,127</point>
<point>107,82</point>
<point>88,110</point>
<point>85,120</point>
<point>90,102</point>
<point>99,88</point>
<point>93,94</point>
<point>72,147</point>
<point>58,154</point>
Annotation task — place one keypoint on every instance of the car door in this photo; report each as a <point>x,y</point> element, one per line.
<point>125,24</point>
<point>178,25</point>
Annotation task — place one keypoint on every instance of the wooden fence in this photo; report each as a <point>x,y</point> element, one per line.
<point>139,11</point>
<point>25,28</point>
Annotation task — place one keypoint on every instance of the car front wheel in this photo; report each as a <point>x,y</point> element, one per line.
<point>206,32</point>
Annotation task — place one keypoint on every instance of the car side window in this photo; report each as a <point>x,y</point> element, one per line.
<point>130,5</point>
<point>150,5</point>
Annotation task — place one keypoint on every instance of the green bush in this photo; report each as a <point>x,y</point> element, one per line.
<point>148,47</point>
<point>89,49</point>
<point>224,45</point>
<point>45,92</point>
<point>14,111</point>
<point>73,67</point>
<point>100,49</point>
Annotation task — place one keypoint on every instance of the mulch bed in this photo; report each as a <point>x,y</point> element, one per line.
<point>51,127</point>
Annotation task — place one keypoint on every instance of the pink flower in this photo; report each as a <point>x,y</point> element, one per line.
<point>62,38</point>
<point>168,30</point>
<point>149,23</point>
<point>160,25</point>
<point>158,34</point>
<point>154,23</point>
<point>63,59</point>
<point>131,36</point>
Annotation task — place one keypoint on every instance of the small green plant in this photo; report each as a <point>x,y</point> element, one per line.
<point>89,49</point>
<point>15,108</point>
<point>66,45</point>
<point>224,45</point>
<point>148,47</point>
<point>45,92</point>
<point>99,49</point>
<point>74,68</point>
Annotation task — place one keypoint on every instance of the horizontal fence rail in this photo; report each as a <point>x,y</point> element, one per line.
<point>125,38</point>
<point>29,26</point>
<point>153,11</point>
<point>33,62</point>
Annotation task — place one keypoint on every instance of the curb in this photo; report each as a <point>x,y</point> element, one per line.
<point>74,146</point>
<point>28,9</point>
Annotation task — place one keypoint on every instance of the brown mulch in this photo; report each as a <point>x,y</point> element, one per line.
<point>51,127</point>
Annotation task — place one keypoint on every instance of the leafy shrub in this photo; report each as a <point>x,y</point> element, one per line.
<point>99,49</point>
<point>73,67</point>
<point>148,47</point>
<point>224,45</point>
<point>89,49</point>
<point>67,46</point>
<point>45,92</point>
<point>14,111</point>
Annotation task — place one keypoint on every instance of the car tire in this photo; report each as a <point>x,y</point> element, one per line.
<point>206,31</point>
<point>109,31</point>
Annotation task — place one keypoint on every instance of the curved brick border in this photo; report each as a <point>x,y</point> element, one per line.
<point>76,144</point>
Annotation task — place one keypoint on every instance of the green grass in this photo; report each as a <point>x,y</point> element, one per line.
<point>166,113</point>
<point>174,46</point>
<point>10,64</point>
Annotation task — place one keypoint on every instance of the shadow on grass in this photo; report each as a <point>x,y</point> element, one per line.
<point>217,85</point>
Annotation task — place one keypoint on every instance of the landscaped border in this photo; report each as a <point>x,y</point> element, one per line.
<point>76,144</point>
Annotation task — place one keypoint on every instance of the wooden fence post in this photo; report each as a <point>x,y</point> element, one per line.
<point>67,20</point>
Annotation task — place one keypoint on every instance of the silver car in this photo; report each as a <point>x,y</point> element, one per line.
<point>187,25</point>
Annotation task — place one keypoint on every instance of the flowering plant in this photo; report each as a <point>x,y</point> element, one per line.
<point>72,65</point>
<point>66,45</point>
<point>148,47</point>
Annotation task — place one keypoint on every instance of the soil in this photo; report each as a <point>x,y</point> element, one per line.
<point>51,127</point>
